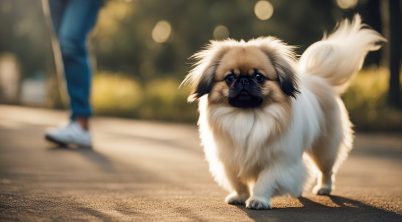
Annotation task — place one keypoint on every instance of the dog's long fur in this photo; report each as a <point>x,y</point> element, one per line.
<point>257,153</point>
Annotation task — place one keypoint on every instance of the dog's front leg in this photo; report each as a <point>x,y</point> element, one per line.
<point>262,191</point>
<point>278,179</point>
<point>240,191</point>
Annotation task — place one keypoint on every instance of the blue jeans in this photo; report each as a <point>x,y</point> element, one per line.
<point>72,21</point>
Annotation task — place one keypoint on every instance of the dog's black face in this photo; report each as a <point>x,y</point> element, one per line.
<point>245,89</point>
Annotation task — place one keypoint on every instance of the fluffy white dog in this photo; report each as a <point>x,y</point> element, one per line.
<point>261,110</point>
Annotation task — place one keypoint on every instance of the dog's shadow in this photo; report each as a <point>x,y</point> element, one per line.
<point>334,208</point>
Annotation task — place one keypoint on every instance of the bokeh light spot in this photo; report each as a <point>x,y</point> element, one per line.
<point>221,32</point>
<point>346,4</point>
<point>161,32</point>
<point>263,10</point>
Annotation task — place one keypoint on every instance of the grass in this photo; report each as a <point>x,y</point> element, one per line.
<point>120,95</point>
<point>116,94</point>
<point>366,101</point>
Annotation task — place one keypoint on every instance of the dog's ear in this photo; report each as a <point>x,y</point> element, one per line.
<point>202,76</point>
<point>286,76</point>
<point>204,85</point>
<point>283,60</point>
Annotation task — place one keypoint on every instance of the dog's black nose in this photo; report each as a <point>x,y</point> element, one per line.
<point>244,81</point>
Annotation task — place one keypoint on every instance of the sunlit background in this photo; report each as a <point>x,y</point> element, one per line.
<point>140,50</point>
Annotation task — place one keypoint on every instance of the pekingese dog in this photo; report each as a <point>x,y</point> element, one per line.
<point>261,109</point>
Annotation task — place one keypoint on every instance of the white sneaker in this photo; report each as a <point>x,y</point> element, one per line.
<point>72,134</point>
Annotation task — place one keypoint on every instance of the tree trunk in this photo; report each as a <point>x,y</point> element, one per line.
<point>371,14</point>
<point>394,93</point>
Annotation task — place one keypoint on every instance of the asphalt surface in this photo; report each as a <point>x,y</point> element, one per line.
<point>152,171</point>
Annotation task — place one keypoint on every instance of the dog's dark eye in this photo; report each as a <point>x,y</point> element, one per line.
<point>229,79</point>
<point>259,77</point>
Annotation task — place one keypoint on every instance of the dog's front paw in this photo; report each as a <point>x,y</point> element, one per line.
<point>322,190</point>
<point>234,199</point>
<point>258,203</point>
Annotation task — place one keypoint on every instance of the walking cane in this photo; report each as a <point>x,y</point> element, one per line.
<point>57,59</point>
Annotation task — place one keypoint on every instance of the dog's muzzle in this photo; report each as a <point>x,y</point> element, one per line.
<point>243,93</point>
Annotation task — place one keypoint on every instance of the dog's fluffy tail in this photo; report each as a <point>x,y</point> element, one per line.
<point>337,57</point>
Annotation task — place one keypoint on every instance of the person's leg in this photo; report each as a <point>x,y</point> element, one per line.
<point>56,13</point>
<point>78,20</point>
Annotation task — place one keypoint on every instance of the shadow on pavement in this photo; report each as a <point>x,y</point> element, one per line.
<point>121,171</point>
<point>345,209</point>
<point>59,209</point>
<point>100,160</point>
<point>167,143</point>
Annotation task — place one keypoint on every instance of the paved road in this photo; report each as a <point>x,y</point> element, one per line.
<point>150,171</point>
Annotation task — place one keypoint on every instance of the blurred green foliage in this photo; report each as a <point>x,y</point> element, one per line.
<point>159,99</point>
<point>24,33</point>
<point>366,101</point>
<point>122,40</point>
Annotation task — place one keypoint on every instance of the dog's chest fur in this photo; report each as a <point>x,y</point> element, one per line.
<point>246,140</point>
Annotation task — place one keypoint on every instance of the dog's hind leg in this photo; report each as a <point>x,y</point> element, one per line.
<point>331,148</point>
<point>323,154</point>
